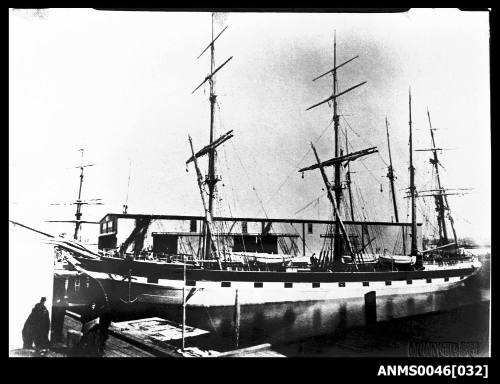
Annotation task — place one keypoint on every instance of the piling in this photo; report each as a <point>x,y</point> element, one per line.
<point>236,320</point>
<point>371,307</point>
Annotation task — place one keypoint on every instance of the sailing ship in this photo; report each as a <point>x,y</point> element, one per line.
<point>341,270</point>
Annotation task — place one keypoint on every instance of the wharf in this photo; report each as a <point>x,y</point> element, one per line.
<point>115,346</point>
<point>152,337</point>
<point>162,337</point>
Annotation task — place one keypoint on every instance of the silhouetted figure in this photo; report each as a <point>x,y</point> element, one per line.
<point>29,330</point>
<point>58,313</point>
<point>314,262</point>
<point>37,326</point>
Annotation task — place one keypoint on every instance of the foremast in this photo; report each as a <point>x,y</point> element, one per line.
<point>210,150</point>
<point>337,185</point>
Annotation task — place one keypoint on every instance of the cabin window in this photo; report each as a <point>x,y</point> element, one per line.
<point>192,226</point>
<point>461,277</point>
<point>341,284</point>
<point>258,285</point>
<point>77,285</point>
<point>103,227</point>
<point>429,280</point>
<point>409,282</point>
<point>316,285</point>
<point>110,226</point>
<point>225,284</point>
<point>288,285</point>
<point>244,227</point>
<point>152,280</point>
<point>366,283</point>
<point>446,279</point>
<point>388,283</point>
<point>107,241</point>
<point>191,283</point>
<point>309,228</point>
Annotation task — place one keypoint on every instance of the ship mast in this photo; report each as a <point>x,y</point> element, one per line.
<point>337,161</point>
<point>79,202</point>
<point>440,198</point>
<point>337,186</point>
<point>392,177</point>
<point>78,213</point>
<point>390,174</point>
<point>348,179</point>
<point>211,179</point>
<point>414,250</point>
<point>125,206</point>
<point>335,206</point>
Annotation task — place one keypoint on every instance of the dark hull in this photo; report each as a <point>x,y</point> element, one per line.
<point>156,271</point>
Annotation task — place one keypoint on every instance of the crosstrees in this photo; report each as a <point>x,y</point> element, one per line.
<point>342,159</point>
<point>334,69</point>
<point>338,158</point>
<point>332,200</point>
<point>79,202</point>
<point>210,150</point>
<point>212,146</point>
<point>334,96</point>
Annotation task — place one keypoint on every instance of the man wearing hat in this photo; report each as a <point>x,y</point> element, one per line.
<point>37,326</point>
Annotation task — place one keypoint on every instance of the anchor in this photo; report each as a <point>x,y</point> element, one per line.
<point>130,278</point>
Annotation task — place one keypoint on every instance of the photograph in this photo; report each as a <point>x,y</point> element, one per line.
<point>251,183</point>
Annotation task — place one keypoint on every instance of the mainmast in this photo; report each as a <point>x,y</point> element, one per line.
<point>337,186</point>
<point>414,249</point>
<point>328,187</point>
<point>337,161</point>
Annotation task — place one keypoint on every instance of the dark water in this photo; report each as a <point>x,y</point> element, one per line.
<point>344,327</point>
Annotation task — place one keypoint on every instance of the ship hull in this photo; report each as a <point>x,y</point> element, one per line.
<point>206,288</point>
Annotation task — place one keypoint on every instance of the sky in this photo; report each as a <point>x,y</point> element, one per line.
<point>119,85</point>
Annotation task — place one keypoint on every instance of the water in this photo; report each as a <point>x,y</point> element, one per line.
<point>343,327</point>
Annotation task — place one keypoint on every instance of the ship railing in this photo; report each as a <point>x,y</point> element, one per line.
<point>111,252</point>
<point>449,261</point>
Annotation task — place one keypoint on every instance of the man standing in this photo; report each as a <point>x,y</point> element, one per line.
<point>37,326</point>
<point>42,325</point>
